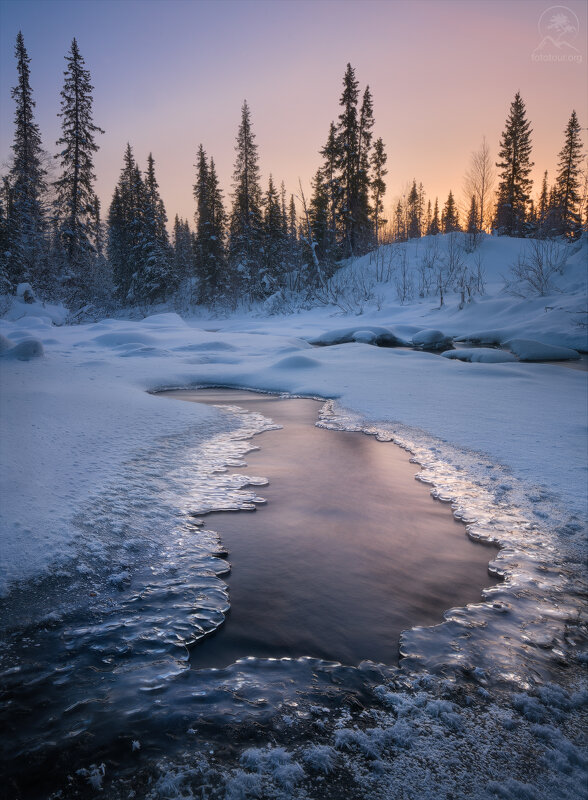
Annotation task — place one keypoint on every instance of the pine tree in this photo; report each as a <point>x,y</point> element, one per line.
<point>428,218</point>
<point>26,242</point>
<point>331,155</point>
<point>5,284</point>
<point>514,189</point>
<point>399,223</point>
<point>473,217</point>
<point>75,188</point>
<point>320,223</point>
<point>125,227</point>
<point>379,171</point>
<point>543,208</point>
<point>568,181</point>
<point>273,240</point>
<point>152,279</point>
<point>246,219</point>
<point>412,202</point>
<point>210,257</point>
<point>363,215</point>
<point>202,220</point>
<point>348,157</point>
<point>435,226</point>
<point>450,216</point>
<point>221,283</point>
<point>183,262</point>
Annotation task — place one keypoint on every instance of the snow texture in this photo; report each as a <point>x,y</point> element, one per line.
<point>81,436</point>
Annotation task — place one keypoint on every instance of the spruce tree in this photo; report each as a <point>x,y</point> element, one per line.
<point>348,156</point>
<point>379,172</point>
<point>210,231</point>
<point>183,261</point>
<point>220,278</point>
<point>273,240</point>
<point>543,207</point>
<point>412,202</point>
<point>202,213</point>
<point>294,277</point>
<point>450,216</point>
<point>514,189</point>
<point>153,278</point>
<point>428,218</point>
<point>435,226</point>
<point>400,228</point>
<point>331,155</point>
<point>125,223</point>
<point>5,283</point>
<point>246,219</point>
<point>320,223</point>
<point>568,179</point>
<point>75,187</point>
<point>363,215</point>
<point>473,217</point>
<point>26,242</point>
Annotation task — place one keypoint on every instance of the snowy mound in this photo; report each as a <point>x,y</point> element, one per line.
<point>26,305</point>
<point>485,355</point>
<point>23,351</point>
<point>368,334</point>
<point>296,362</point>
<point>491,337</point>
<point>431,339</point>
<point>530,350</point>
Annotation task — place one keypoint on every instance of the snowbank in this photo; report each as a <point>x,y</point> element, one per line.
<point>483,355</point>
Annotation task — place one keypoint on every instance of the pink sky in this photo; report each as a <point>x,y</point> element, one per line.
<point>169,75</point>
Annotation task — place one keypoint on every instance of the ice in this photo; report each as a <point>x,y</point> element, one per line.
<point>101,480</point>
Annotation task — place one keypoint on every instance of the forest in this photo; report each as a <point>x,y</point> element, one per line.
<point>257,243</point>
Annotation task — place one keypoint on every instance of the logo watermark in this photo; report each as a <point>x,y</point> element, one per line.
<point>558,29</point>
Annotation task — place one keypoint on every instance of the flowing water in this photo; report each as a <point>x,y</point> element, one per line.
<point>146,640</point>
<point>349,551</point>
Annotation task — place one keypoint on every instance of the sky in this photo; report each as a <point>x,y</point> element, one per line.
<point>171,74</point>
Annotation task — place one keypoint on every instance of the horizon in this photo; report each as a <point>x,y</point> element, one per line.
<point>292,85</point>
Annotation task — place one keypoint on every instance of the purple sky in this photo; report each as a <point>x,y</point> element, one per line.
<point>169,74</point>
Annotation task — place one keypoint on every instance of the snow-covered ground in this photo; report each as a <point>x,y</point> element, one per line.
<point>76,410</point>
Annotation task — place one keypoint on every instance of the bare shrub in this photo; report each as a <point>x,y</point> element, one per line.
<point>536,266</point>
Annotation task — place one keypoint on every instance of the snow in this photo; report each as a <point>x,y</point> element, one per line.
<point>79,427</point>
<point>431,339</point>
<point>71,417</point>
<point>529,350</point>
<point>485,355</point>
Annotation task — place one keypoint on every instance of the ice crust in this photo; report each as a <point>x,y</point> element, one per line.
<point>488,704</point>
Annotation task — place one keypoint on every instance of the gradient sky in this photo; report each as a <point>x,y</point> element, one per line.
<point>169,74</point>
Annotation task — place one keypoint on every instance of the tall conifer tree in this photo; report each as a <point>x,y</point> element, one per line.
<point>246,218</point>
<point>378,164</point>
<point>568,180</point>
<point>450,216</point>
<point>514,188</point>
<point>26,244</point>
<point>348,156</point>
<point>75,187</point>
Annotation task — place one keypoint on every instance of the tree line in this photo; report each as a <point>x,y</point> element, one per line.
<point>262,242</point>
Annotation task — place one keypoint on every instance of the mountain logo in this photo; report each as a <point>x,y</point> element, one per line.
<point>558,28</point>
